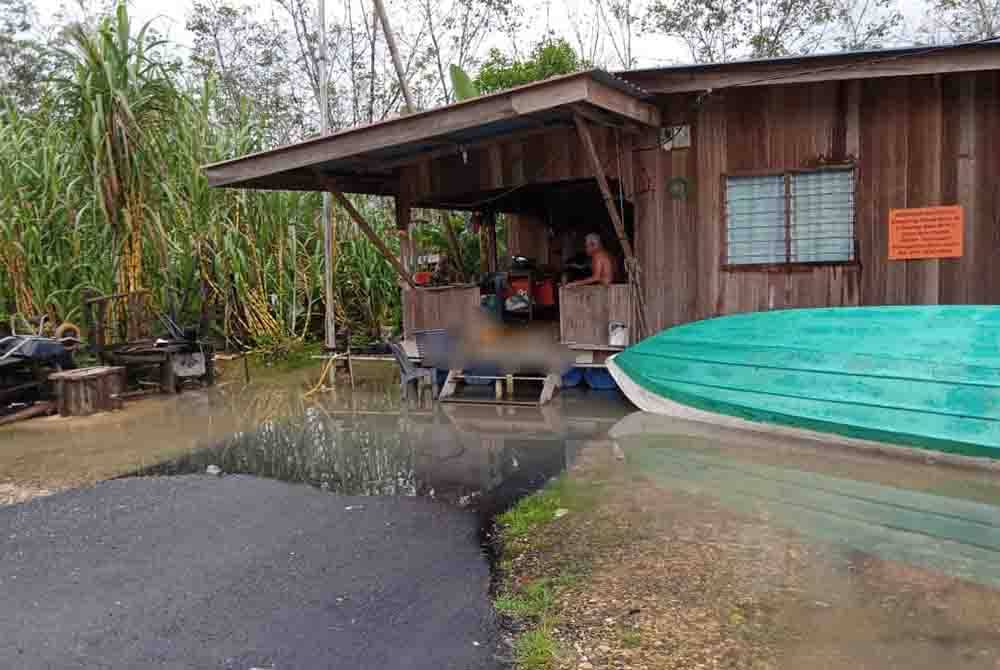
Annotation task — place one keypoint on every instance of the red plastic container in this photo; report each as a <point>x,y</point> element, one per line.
<point>545,292</point>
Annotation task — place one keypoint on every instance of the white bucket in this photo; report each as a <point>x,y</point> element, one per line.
<point>617,334</point>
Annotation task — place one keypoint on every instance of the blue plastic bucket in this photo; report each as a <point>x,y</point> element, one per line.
<point>600,379</point>
<point>572,378</point>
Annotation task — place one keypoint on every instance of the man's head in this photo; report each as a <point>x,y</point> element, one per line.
<point>592,244</point>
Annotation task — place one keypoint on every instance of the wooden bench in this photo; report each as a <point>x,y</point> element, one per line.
<point>550,383</point>
<point>89,390</point>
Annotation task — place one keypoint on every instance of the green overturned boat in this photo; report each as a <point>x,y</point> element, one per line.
<point>925,377</point>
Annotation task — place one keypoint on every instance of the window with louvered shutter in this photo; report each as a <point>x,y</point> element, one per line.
<point>803,216</point>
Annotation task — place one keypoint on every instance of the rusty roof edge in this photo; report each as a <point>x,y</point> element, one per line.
<point>805,58</point>
<point>596,74</point>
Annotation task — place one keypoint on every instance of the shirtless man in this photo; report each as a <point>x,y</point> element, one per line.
<point>602,267</point>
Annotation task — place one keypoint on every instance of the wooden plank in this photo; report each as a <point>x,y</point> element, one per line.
<point>37,409</point>
<point>583,315</point>
<point>375,239</point>
<point>967,157</point>
<point>987,222</point>
<point>923,281</point>
<point>650,226</point>
<point>952,286</point>
<point>991,186</point>
<point>852,121</point>
<point>585,311</point>
<point>611,99</point>
<point>712,151</point>
<point>441,307</point>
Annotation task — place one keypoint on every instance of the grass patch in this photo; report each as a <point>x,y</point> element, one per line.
<point>287,355</point>
<point>540,508</point>
<point>535,650</point>
<point>531,601</point>
<point>534,602</point>
<point>631,639</point>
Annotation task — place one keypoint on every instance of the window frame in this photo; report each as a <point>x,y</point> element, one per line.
<point>788,265</point>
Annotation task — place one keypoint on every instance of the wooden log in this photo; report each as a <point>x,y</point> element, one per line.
<point>168,378</point>
<point>38,409</point>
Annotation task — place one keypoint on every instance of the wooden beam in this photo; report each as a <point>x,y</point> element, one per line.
<point>627,106</point>
<point>371,234</point>
<point>492,259</point>
<point>602,182</point>
<point>603,118</point>
<point>444,149</point>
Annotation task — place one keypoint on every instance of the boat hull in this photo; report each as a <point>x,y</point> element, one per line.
<point>926,377</point>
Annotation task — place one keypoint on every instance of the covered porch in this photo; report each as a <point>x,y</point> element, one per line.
<point>547,163</point>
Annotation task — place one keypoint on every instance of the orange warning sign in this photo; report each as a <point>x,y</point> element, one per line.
<point>926,232</point>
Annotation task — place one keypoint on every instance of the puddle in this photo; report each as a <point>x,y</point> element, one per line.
<point>364,443</point>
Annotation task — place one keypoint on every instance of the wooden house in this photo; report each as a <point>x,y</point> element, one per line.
<point>846,179</point>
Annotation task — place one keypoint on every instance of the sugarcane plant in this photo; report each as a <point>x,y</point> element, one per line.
<point>101,189</point>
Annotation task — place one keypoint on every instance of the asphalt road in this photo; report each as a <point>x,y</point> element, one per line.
<point>239,573</point>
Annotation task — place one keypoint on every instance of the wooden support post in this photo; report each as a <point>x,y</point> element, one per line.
<point>583,130</point>
<point>404,230</point>
<point>552,382</point>
<point>448,390</point>
<point>371,235</point>
<point>454,245</point>
<point>492,259</point>
<point>168,379</point>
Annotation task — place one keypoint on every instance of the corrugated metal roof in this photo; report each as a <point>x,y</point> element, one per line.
<point>805,58</point>
<point>372,152</point>
<point>598,75</point>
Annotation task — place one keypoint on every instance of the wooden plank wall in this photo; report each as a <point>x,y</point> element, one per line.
<point>450,307</point>
<point>527,236</point>
<point>917,141</point>
<point>535,157</point>
<point>586,311</point>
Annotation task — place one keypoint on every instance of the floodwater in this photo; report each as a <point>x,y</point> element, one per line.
<point>480,456</point>
<point>865,561</point>
<point>359,441</point>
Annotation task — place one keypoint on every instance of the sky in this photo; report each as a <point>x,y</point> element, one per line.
<point>556,16</point>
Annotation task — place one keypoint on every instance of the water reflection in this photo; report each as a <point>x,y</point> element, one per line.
<point>364,443</point>
<point>861,502</point>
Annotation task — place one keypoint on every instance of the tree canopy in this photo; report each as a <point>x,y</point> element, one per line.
<point>549,58</point>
